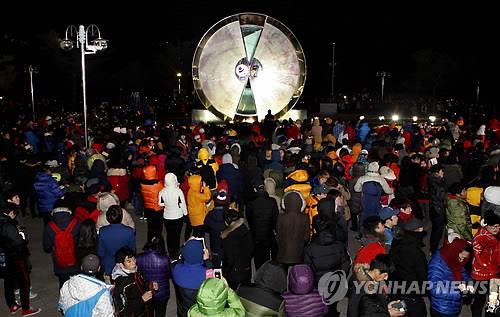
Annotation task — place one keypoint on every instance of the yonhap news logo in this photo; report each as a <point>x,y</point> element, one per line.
<point>333,286</point>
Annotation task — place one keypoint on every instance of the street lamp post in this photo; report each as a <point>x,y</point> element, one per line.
<point>179,76</point>
<point>86,47</point>
<point>32,70</point>
<point>333,72</point>
<point>383,75</point>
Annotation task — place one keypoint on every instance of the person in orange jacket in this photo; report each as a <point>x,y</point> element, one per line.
<point>150,189</point>
<point>198,196</point>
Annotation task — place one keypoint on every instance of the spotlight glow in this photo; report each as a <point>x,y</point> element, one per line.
<point>395,117</point>
<point>432,118</point>
<point>361,117</point>
<point>415,118</point>
<point>381,118</point>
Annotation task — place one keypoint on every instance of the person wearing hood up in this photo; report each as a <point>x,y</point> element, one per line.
<point>171,198</point>
<point>106,200</point>
<point>197,198</point>
<point>264,297</point>
<point>132,292</point>
<point>207,168</point>
<point>230,172</point>
<point>188,274</point>
<point>299,181</point>
<point>447,266</point>
<point>238,246</point>
<point>371,185</point>
<point>292,229</point>
<point>214,222</point>
<point>262,214</point>
<point>438,202</point>
<point>84,294</point>
<point>302,299</point>
<point>47,192</point>
<point>215,298</point>
<point>410,265</point>
<point>270,187</point>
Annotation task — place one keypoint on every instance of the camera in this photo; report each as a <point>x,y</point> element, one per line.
<point>401,306</point>
<point>218,273</point>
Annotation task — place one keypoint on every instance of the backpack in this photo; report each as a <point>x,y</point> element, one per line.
<point>64,244</point>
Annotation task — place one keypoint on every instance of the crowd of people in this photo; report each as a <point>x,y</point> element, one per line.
<point>251,219</point>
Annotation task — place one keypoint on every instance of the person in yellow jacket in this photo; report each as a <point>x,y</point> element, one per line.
<point>319,192</point>
<point>299,181</point>
<point>197,198</point>
<point>207,167</point>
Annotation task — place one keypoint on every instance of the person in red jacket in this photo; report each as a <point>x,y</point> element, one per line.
<point>485,261</point>
<point>119,180</point>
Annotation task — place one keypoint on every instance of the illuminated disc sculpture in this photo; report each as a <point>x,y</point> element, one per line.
<point>246,64</point>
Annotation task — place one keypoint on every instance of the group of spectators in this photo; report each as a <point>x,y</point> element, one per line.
<point>281,195</point>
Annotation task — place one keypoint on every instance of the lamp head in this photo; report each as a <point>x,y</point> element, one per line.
<point>66,44</point>
<point>100,44</point>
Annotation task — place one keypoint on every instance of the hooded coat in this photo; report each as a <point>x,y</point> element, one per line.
<point>238,246</point>
<point>119,180</point>
<point>47,191</point>
<point>302,299</point>
<point>270,186</point>
<point>324,253</point>
<point>262,214</point>
<point>150,188</point>
<point>171,198</point>
<point>207,168</point>
<point>299,181</point>
<point>229,172</point>
<point>197,198</point>
<point>188,274</point>
<point>264,297</point>
<point>358,170</point>
<point>292,229</point>
<point>82,287</point>
<point>216,299</point>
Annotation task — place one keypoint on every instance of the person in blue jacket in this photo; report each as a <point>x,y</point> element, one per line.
<point>447,267</point>
<point>47,191</point>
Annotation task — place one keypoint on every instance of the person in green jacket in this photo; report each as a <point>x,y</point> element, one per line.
<point>457,212</point>
<point>215,298</point>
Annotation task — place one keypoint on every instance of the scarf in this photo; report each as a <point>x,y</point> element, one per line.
<point>450,253</point>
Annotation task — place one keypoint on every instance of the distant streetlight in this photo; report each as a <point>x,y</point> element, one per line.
<point>383,75</point>
<point>82,41</point>
<point>333,72</point>
<point>179,76</point>
<point>32,70</point>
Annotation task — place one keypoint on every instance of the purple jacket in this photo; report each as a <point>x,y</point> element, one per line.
<point>156,267</point>
<point>301,300</point>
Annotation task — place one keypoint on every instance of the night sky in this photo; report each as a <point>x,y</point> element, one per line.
<point>149,44</point>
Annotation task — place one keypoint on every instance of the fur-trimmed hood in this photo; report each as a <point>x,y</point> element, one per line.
<point>117,172</point>
<point>233,226</point>
<point>286,198</point>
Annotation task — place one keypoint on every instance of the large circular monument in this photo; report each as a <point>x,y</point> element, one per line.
<point>246,64</point>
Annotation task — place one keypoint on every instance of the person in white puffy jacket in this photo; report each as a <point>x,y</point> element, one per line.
<point>84,295</point>
<point>171,198</point>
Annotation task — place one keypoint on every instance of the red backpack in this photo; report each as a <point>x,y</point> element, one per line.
<point>64,244</point>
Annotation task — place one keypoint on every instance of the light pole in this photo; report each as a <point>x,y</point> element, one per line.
<point>82,41</point>
<point>179,76</point>
<point>383,75</point>
<point>333,72</point>
<point>32,70</point>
